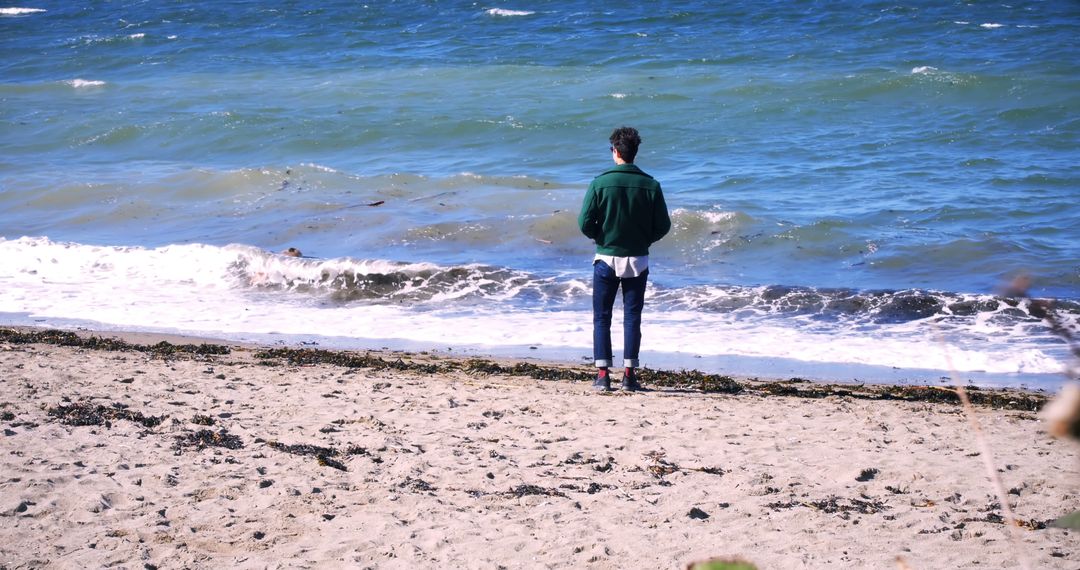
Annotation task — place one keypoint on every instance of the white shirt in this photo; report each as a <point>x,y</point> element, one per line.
<point>625,266</point>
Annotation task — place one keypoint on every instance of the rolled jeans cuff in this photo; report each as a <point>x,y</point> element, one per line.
<point>603,363</point>
<point>630,363</point>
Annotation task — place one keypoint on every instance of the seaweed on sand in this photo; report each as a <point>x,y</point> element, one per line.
<point>1007,400</point>
<point>481,366</point>
<point>206,438</point>
<point>1029,524</point>
<point>690,379</point>
<point>87,414</point>
<point>792,388</point>
<point>67,338</point>
<point>308,356</point>
<point>684,379</point>
<point>527,489</point>
<point>998,399</point>
<point>331,462</point>
<point>416,484</point>
<point>660,466</point>
<point>324,455</point>
<point>833,504</point>
<point>303,449</point>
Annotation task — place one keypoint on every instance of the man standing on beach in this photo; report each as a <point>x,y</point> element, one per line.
<point>623,213</point>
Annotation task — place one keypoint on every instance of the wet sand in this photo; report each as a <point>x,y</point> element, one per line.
<point>250,458</point>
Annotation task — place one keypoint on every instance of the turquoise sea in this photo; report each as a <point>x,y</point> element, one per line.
<point>853,184</point>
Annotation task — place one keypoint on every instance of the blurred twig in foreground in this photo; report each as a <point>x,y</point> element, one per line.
<point>1062,414</point>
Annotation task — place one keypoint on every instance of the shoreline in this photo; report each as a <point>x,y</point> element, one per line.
<point>689,380</point>
<point>771,350</point>
<point>191,455</point>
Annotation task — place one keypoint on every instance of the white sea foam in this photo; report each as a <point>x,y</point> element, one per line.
<point>80,83</point>
<point>618,95</point>
<point>319,167</point>
<point>235,291</point>
<point>20,11</point>
<point>260,268</point>
<point>991,26</point>
<point>507,13</point>
<point>923,70</point>
<point>90,39</point>
<point>719,217</point>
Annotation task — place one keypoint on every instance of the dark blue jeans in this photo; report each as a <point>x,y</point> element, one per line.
<point>605,287</point>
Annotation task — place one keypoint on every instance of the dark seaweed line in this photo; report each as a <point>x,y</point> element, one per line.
<point>691,379</point>
<point>683,379</point>
<point>66,338</point>
<point>1006,400</point>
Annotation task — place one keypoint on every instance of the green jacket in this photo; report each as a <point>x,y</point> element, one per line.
<point>624,212</point>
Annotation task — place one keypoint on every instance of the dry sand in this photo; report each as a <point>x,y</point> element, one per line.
<point>472,470</point>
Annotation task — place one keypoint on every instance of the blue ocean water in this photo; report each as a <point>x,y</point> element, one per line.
<point>852,183</point>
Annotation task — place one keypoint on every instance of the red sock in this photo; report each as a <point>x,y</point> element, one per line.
<point>602,372</point>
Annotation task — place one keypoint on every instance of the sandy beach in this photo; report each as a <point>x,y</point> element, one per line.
<point>248,457</point>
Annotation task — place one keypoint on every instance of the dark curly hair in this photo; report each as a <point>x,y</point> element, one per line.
<point>626,140</point>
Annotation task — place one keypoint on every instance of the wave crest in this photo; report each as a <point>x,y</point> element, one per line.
<point>502,12</point>
<point>14,11</point>
<point>83,83</point>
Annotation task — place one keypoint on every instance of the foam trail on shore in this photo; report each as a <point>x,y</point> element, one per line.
<point>241,290</point>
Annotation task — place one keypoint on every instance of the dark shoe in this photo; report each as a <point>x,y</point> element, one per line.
<point>630,381</point>
<point>602,383</point>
